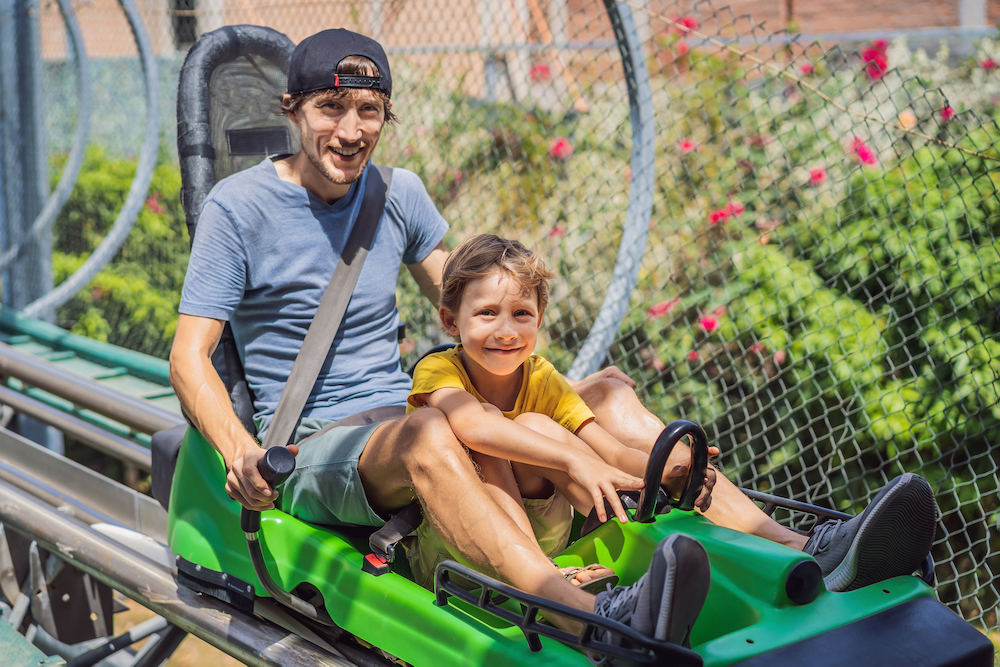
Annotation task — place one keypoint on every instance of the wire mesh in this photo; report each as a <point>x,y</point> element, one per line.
<point>819,287</point>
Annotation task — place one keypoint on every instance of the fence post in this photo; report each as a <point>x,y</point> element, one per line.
<point>24,159</point>
<point>24,173</point>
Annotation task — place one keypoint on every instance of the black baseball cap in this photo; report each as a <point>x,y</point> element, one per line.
<point>315,60</point>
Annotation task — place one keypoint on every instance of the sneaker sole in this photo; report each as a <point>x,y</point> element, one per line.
<point>893,540</point>
<point>686,581</point>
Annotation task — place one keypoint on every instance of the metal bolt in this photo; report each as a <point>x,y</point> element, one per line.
<point>225,576</point>
<point>197,568</point>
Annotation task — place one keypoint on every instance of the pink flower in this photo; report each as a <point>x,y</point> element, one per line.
<point>693,355</point>
<point>863,152</point>
<point>757,348</point>
<point>947,114</point>
<point>628,175</point>
<point>807,69</point>
<point>154,205</point>
<point>780,357</point>
<point>664,307</point>
<point>681,48</point>
<point>686,23</point>
<point>557,231</point>
<point>560,148</point>
<point>817,176</point>
<point>733,209</point>
<point>989,64</point>
<point>687,146</point>
<point>540,73</point>
<point>719,311</point>
<point>880,45</point>
<point>656,364</point>
<point>876,63</point>
<point>709,323</point>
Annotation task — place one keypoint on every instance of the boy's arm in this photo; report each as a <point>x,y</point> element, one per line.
<point>488,433</point>
<point>633,462</point>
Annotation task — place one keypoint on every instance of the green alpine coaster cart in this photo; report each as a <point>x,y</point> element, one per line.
<point>766,604</point>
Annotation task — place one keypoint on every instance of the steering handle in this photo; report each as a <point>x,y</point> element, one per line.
<point>670,436</point>
<point>275,467</point>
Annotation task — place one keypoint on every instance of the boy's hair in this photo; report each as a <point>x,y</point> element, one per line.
<point>482,255</point>
<point>351,65</point>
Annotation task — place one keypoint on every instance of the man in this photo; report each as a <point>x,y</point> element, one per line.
<point>267,242</point>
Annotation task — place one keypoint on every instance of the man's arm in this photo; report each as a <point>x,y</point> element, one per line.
<point>204,399</point>
<point>427,272</point>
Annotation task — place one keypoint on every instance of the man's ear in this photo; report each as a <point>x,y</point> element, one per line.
<point>448,321</point>
<point>291,115</point>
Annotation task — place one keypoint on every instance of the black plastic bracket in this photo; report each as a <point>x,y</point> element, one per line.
<point>220,585</point>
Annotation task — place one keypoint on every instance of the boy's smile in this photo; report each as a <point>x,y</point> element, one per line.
<point>497,323</point>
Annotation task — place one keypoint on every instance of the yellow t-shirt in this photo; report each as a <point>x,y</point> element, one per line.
<point>543,389</point>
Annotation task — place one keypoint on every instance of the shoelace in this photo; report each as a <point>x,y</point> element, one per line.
<point>822,535</point>
<point>617,604</point>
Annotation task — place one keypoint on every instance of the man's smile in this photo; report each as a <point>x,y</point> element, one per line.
<point>346,152</point>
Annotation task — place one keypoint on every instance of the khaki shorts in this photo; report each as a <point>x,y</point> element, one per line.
<point>326,487</point>
<point>551,521</point>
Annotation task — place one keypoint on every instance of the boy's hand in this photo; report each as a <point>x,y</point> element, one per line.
<point>675,473</point>
<point>603,481</point>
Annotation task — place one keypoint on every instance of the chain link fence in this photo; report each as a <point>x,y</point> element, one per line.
<point>819,286</point>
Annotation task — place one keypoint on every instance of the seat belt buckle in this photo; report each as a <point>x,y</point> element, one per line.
<point>375,564</point>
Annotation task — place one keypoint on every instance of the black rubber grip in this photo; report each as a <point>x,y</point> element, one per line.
<point>275,467</point>
<point>278,463</point>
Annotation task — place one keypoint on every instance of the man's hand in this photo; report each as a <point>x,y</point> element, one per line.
<point>675,472</point>
<point>602,481</point>
<point>244,483</point>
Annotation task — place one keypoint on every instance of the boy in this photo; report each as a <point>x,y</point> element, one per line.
<point>530,435</point>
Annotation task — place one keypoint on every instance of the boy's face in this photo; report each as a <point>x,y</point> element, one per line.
<point>497,323</point>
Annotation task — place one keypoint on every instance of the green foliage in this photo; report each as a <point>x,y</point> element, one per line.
<point>133,301</point>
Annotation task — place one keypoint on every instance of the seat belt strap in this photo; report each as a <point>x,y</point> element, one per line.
<point>331,310</point>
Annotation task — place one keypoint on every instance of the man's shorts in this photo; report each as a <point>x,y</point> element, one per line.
<point>551,521</point>
<point>326,486</point>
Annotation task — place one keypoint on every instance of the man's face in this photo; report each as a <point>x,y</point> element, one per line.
<point>339,133</point>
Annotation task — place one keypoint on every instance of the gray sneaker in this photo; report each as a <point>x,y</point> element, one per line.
<point>890,538</point>
<point>665,602</point>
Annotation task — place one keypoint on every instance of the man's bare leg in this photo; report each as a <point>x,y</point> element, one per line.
<point>419,456</point>
<point>620,412</point>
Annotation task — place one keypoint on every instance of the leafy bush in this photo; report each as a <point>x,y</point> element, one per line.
<point>133,301</point>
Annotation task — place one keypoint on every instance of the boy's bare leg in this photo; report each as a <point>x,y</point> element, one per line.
<point>620,412</point>
<point>419,456</point>
<point>498,477</point>
<point>538,482</point>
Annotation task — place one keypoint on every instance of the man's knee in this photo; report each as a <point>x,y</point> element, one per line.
<point>608,391</point>
<point>430,442</point>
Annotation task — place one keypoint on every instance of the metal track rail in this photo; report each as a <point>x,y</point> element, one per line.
<point>136,413</point>
<point>245,637</point>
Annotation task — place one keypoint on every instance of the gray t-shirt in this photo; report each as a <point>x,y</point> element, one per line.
<point>263,255</point>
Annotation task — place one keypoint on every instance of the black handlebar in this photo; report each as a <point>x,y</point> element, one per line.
<point>275,467</point>
<point>658,459</point>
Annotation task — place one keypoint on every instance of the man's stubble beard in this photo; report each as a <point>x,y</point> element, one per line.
<point>321,168</point>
